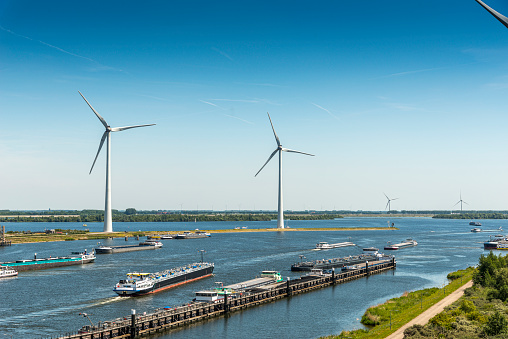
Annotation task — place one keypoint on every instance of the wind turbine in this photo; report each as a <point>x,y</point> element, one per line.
<point>108,224</point>
<point>460,201</point>
<point>388,203</point>
<point>497,15</point>
<point>280,149</point>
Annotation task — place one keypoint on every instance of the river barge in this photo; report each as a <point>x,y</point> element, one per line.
<point>146,245</point>
<point>404,244</point>
<point>37,264</point>
<point>145,283</point>
<point>189,235</point>
<point>328,264</point>
<point>323,245</point>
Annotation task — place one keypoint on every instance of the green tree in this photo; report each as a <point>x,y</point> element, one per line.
<point>130,211</point>
<point>496,324</point>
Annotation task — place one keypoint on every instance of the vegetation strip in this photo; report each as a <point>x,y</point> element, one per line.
<point>386,318</point>
<point>70,235</point>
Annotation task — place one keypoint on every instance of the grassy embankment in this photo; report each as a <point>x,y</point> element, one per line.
<point>69,235</point>
<point>386,318</point>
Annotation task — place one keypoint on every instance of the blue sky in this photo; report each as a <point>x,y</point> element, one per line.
<point>402,97</point>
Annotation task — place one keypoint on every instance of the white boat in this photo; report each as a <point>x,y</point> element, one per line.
<point>151,242</point>
<point>6,272</point>
<point>476,230</point>
<point>323,245</point>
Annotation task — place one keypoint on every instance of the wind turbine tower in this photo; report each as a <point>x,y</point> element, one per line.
<point>388,205</point>
<point>280,149</point>
<point>460,201</point>
<point>108,223</point>
<point>497,15</point>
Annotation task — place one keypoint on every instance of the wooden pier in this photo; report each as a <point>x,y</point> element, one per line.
<point>137,326</point>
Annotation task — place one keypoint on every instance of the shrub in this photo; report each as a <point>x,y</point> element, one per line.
<point>496,324</point>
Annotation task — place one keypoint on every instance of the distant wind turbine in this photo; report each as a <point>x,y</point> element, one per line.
<point>280,149</point>
<point>108,224</point>
<point>497,15</point>
<point>388,202</point>
<point>460,201</point>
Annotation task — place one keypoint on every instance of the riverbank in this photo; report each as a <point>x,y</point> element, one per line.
<point>396,314</point>
<point>20,238</point>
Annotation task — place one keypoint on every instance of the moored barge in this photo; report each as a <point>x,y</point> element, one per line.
<point>328,264</point>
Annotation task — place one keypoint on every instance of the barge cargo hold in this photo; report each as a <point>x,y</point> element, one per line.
<point>37,264</point>
<point>145,283</point>
<point>328,264</point>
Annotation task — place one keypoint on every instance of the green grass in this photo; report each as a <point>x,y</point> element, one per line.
<point>386,318</point>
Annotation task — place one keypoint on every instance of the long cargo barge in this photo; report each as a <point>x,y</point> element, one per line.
<point>43,263</point>
<point>328,264</point>
<point>145,283</point>
<point>142,246</point>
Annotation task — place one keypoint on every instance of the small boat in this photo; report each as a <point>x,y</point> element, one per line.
<point>475,223</point>
<point>166,236</point>
<point>85,225</point>
<point>476,230</point>
<point>404,244</point>
<point>372,250</point>
<point>7,272</point>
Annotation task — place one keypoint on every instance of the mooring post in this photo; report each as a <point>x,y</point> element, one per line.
<point>226,307</point>
<point>133,323</point>
<point>333,275</point>
<point>288,288</point>
<point>367,267</point>
<point>393,262</point>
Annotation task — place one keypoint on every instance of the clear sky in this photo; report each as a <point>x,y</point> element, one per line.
<point>403,97</point>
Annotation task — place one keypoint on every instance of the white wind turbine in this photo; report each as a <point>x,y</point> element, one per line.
<point>460,201</point>
<point>388,203</point>
<point>497,15</point>
<point>280,149</point>
<point>108,224</point>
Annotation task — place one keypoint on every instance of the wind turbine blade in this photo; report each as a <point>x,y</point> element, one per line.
<point>293,151</point>
<point>393,199</point>
<point>271,156</point>
<point>386,196</point>
<point>273,129</point>
<point>97,114</point>
<point>458,202</point>
<point>100,146</point>
<point>465,202</point>
<point>118,129</point>
<point>388,203</point>
<point>497,15</point>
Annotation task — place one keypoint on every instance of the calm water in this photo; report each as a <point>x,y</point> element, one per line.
<point>48,302</point>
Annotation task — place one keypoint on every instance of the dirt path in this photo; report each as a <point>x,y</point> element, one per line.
<point>424,318</point>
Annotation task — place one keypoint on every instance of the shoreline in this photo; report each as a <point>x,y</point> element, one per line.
<point>18,238</point>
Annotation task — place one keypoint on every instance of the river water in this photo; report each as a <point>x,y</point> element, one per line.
<point>48,302</point>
